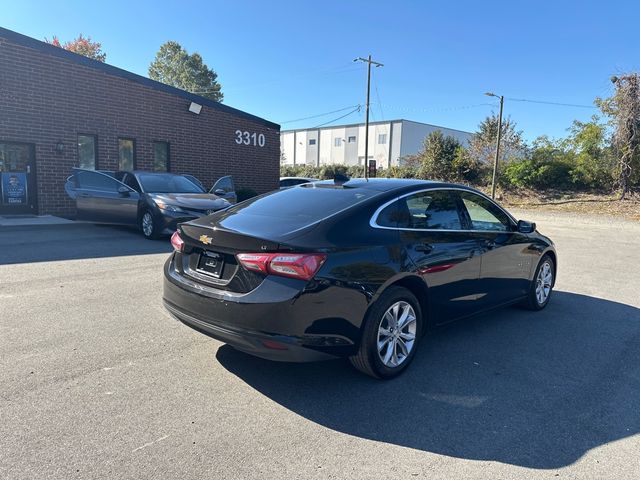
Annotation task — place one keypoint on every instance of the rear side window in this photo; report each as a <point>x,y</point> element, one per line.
<point>96,181</point>
<point>432,210</point>
<point>304,205</point>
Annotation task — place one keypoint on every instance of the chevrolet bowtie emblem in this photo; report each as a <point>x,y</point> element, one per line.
<point>205,239</point>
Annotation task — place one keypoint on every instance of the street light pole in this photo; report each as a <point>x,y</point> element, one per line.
<point>366,115</point>
<point>495,160</point>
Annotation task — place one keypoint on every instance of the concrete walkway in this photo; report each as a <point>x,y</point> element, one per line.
<point>28,220</point>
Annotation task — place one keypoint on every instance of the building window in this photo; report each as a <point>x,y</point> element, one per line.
<point>160,156</point>
<point>337,142</point>
<point>312,141</point>
<point>87,152</point>
<point>382,139</point>
<point>351,139</point>
<point>126,154</point>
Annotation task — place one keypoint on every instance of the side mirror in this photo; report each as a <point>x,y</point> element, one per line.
<point>124,191</point>
<point>219,192</point>
<point>526,227</point>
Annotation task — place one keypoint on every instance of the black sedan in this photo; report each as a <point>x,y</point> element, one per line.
<point>361,269</point>
<point>155,202</point>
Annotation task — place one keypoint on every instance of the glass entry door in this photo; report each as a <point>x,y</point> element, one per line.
<point>18,191</point>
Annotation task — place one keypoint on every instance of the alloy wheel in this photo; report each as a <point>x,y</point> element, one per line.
<point>544,282</point>
<point>147,224</point>
<point>397,334</point>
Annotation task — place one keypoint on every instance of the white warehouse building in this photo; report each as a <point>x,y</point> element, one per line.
<point>389,141</point>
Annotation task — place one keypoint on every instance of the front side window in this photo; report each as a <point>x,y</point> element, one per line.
<point>130,181</point>
<point>225,184</point>
<point>429,210</point>
<point>87,148</point>
<point>126,154</point>
<point>160,156</point>
<point>484,215</point>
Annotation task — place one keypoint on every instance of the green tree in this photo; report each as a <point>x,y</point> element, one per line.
<point>592,162</point>
<point>464,167</point>
<point>482,146</point>
<point>174,66</point>
<point>437,156</point>
<point>82,46</point>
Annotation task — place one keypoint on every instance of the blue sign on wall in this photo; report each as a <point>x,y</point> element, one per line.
<point>14,188</point>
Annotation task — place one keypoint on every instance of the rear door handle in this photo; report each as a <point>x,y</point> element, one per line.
<point>424,247</point>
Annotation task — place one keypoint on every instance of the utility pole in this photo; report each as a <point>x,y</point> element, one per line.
<point>366,116</point>
<point>495,161</point>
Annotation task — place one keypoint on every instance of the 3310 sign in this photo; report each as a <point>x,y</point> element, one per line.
<point>250,138</point>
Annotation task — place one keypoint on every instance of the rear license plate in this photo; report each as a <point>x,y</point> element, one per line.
<point>211,264</point>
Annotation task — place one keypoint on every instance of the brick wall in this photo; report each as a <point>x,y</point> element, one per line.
<point>45,99</point>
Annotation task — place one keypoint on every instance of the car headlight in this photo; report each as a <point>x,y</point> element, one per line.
<point>168,208</point>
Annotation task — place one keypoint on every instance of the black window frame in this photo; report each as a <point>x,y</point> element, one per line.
<point>135,160</point>
<point>463,215</point>
<point>168,146</point>
<point>96,164</point>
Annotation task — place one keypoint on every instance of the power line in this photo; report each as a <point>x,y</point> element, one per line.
<point>357,109</point>
<point>436,109</point>
<point>575,105</point>
<point>320,114</point>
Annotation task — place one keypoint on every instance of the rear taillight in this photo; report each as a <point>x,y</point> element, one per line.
<point>176,242</point>
<point>295,265</point>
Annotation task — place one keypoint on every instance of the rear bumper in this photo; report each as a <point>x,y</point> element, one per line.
<point>270,322</point>
<point>270,347</point>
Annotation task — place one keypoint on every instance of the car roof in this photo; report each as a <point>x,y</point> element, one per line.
<point>300,178</point>
<point>389,184</point>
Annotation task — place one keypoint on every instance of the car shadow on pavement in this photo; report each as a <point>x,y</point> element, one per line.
<point>45,243</point>
<point>533,389</point>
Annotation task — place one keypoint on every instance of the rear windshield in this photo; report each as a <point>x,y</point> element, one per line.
<point>304,204</point>
<point>154,183</point>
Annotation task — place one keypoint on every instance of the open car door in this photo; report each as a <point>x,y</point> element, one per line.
<point>225,188</point>
<point>100,198</point>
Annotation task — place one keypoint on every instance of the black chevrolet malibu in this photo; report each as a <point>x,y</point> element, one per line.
<point>361,269</point>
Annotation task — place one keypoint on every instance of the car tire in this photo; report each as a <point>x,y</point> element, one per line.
<point>542,285</point>
<point>148,225</point>
<point>387,347</point>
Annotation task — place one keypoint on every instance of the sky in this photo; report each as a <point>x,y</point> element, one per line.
<point>290,60</point>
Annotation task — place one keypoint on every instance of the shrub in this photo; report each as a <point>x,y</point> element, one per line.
<point>530,173</point>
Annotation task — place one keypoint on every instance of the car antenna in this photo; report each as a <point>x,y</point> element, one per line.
<point>340,178</point>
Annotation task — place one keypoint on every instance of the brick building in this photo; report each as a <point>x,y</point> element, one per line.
<point>59,110</point>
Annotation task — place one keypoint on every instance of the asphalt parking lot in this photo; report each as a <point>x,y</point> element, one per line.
<point>97,381</point>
